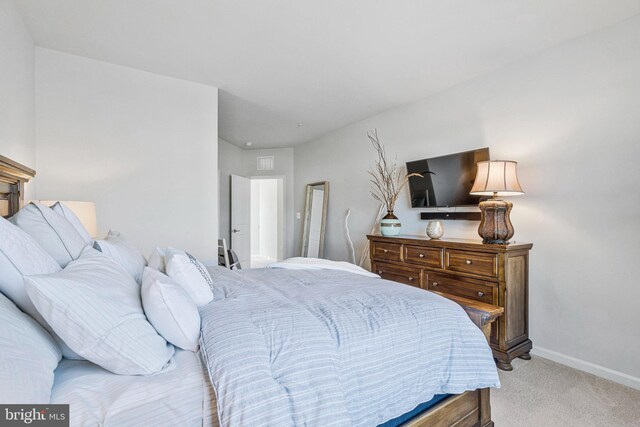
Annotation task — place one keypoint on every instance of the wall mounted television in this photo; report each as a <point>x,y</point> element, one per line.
<point>446,180</point>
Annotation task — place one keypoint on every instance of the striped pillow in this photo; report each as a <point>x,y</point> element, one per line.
<point>27,359</point>
<point>51,230</point>
<point>66,212</point>
<point>94,306</point>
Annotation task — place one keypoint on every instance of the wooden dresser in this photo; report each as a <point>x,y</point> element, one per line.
<point>493,274</point>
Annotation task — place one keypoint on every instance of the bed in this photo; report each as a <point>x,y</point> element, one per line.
<point>185,395</point>
<point>181,397</point>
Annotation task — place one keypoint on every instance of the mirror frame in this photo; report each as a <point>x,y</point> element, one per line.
<point>307,218</point>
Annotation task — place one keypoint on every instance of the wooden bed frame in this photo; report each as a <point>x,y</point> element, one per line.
<point>471,408</point>
<point>13,176</point>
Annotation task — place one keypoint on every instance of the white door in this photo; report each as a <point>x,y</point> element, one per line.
<point>241,218</point>
<point>315,226</point>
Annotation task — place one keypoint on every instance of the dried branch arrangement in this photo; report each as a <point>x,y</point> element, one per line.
<point>386,178</point>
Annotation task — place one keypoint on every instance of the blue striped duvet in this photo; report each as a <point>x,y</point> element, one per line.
<point>329,348</point>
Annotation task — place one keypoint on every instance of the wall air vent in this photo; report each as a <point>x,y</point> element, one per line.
<point>265,163</point>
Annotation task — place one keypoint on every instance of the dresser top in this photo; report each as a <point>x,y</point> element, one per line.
<point>476,244</point>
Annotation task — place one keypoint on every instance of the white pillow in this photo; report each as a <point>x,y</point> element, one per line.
<point>170,310</point>
<point>94,306</point>
<point>51,230</point>
<point>21,255</point>
<point>124,253</point>
<point>157,260</point>
<point>27,359</point>
<point>190,274</point>
<point>66,212</point>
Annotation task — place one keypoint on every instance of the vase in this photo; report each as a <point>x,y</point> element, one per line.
<point>390,225</point>
<point>435,229</point>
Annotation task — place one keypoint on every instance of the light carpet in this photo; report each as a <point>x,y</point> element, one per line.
<point>540,392</point>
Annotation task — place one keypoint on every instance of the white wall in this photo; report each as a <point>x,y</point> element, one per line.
<point>283,159</point>
<point>571,117</point>
<point>141,145</point>
<point>17,106</point>
<point>229,163</point>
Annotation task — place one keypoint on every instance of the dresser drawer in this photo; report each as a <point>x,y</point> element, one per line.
<point>479,263</point>
<point>462,287</point>
<point>387,251</point>
<point>407,275</point>
<point>428,257</point>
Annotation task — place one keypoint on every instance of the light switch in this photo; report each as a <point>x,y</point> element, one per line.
<point>298,215</point>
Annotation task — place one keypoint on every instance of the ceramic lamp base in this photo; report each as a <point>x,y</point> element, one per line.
<point>495,226</point>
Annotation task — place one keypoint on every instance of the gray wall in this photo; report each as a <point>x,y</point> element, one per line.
<point>571,117</point>
<point>236,161</point>
<point>17,92</point>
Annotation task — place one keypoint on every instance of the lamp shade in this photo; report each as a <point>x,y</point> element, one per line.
<point>496,177</point>
<point>85,211</point>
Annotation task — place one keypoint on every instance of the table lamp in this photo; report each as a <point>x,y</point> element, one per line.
<point>496,178</point>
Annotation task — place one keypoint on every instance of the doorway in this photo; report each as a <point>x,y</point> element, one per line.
<point>267,221</point>
<point>257,220</point>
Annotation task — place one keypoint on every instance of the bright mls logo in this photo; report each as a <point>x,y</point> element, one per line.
<point>34,415</point>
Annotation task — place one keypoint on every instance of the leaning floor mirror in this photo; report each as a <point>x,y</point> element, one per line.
<point>315,219</point>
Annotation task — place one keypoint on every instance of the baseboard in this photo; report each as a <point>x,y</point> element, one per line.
<point>592,368</point>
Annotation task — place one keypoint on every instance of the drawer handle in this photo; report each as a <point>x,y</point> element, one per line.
<point>468,262</point>
<point>385,251</point>
<point>421,255</point>
<point>411,279</point>
<point>480,294</point>
<point>435,283</point>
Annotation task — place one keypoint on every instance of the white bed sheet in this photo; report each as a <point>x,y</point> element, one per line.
<point>181,397</point>
<point>304,263</point>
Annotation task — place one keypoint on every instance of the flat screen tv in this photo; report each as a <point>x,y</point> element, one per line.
<point>446,180</point>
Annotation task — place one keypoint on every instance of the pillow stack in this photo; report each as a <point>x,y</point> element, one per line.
<point>97,299</point>
<point>171,300</point>
<point>88,301</point>
<point>94,306</point>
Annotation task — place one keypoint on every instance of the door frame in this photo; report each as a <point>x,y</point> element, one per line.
<point>232,225</point>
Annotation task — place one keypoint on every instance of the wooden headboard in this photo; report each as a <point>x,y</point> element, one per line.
<point>13,176</point>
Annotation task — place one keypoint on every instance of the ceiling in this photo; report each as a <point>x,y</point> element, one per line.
<point>321,63</point>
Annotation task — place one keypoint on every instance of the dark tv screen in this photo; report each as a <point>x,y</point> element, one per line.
<point>446,180</point>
